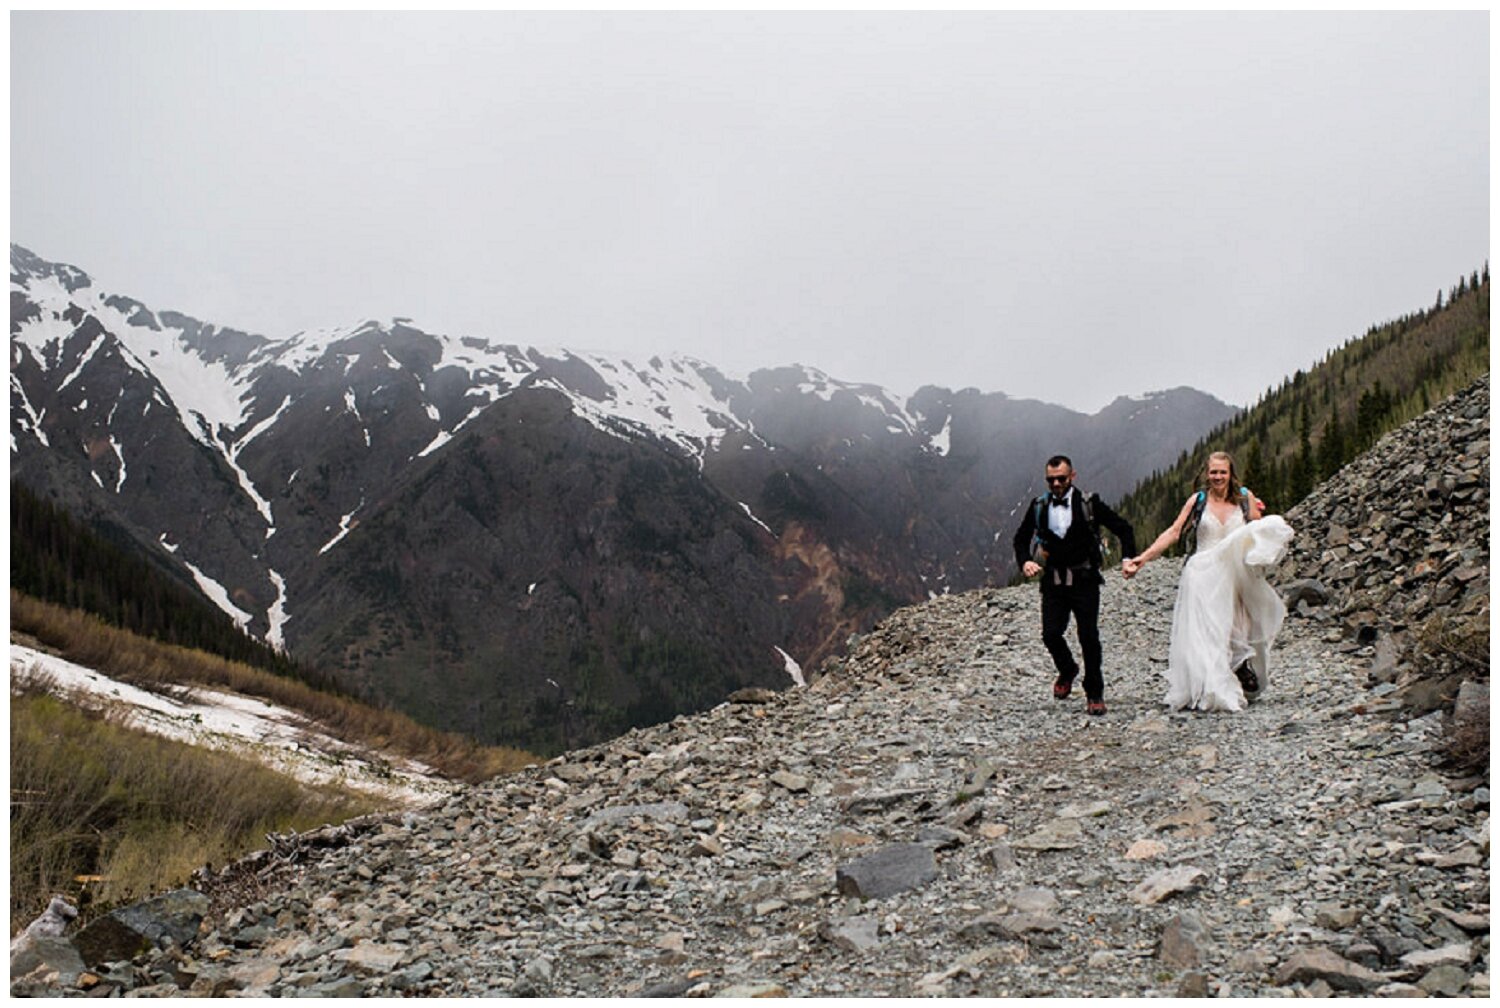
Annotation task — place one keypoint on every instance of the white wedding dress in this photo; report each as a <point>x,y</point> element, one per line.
<point>1226,612</point>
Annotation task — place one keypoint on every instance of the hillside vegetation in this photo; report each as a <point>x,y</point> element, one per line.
<point>87,640</point>
<point>104,813</point>
<point>1307,428</point>
<point>57,558</point>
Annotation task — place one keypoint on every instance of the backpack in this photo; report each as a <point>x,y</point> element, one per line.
<point>1190,527</point>
<point>1039,522</point>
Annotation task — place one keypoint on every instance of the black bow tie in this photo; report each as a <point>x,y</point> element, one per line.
<point>1060,503</point>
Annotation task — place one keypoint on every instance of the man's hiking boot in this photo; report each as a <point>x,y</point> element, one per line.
<point>1061,690</point>
<point>1246,675</point>
<point>1095,707</point>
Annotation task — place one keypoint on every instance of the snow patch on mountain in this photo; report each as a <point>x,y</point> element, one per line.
<point>346,525</point>
<point>83,361</point>
<point>31,420</point>
<point>671,400</point>
<point>273,736</point>
<point>277,614</point>
<point>941,441</point>
<point>120,455</point>
<point>218,596</point>
<point>792,668</point>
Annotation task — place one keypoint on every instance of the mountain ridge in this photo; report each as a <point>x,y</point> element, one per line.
<point>254,465</point>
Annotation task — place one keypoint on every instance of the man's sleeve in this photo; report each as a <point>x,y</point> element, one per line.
<point>1119,526</point>
<point>1022,542</point>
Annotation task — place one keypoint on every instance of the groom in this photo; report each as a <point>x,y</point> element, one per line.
<point>1059,539</point>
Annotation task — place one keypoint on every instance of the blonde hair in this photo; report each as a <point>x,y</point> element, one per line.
<point>1233,489</point>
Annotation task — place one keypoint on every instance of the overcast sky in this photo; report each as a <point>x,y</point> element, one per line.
<point>1063,207</point>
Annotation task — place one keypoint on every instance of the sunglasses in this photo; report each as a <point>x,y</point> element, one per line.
<point>1057,479</point>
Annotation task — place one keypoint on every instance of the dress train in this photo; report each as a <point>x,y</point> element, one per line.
<point>1226,614</point>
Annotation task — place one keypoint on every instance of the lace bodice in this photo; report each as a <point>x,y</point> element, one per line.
<point>1211,530</point>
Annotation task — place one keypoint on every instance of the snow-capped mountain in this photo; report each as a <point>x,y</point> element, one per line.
<point>533,546</point>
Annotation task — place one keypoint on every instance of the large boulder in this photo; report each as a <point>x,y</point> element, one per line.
<point>171,917</point>
<point>888,871</point>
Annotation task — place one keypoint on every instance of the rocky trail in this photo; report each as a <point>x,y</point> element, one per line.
<point>922,819</point>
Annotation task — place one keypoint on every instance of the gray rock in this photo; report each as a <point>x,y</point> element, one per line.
<point>1184,942</point>
<point>854,934</point>
<point>753,695</point>
<point>1331,968</point>
<point>1166,883</point>
<point>1473,701</point>
<point>1466,856</point>
<point>668,988</point>
<point>1384,667</point>
<point>940,837</point>
<point>54,956</point>
<point>1057,834</point>
<point>1033,900</point>
<point>1446,980</point>
<point>755,989</point>
<point>659,811</point>
<point>1249,961</point>
<point>887,871</point>
<point>1193,985</point>
<point>339,987</point>
<point>539,971</point>
<point>1013,925</point>
<point>125,933</point>
<point>1336,917</point>
<point>373,957</point>
<point>1448,955</point>
<point>1308,590</point>
<point>255,975</point>
<point>1000,857</point>
<point>1392,946</point>
<point>790,781</point>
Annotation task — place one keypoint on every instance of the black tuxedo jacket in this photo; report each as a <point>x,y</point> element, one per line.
<point>1080,547</point>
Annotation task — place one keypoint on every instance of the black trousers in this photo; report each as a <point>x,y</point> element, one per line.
<point>1081,601</point>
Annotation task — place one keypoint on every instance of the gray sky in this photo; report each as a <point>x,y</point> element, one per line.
<point>1063,207</point>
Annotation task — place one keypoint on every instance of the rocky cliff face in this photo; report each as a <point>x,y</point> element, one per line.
<point>537,547</point>
<point>923,819</point>
<point>1398,540</point>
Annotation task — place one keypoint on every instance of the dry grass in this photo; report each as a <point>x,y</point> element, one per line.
<point>1462,645</point>
<point>1466,742</point>
<point>107,814</point>
<point>88,641</point>
<point>1463,642</point>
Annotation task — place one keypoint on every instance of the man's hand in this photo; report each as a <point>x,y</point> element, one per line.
<point>1130,567</point>
<point>1031,568</point>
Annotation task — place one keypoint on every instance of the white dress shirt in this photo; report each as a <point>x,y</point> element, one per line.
<point>1060,516</point>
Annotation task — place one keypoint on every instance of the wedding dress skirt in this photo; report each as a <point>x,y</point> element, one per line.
<point>1226,613</point>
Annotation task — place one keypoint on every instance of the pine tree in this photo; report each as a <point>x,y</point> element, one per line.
<point>1331,451</point>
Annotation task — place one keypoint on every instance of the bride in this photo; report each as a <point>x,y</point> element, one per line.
<point>1226,614</point>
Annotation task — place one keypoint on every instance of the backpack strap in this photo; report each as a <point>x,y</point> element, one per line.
<point>1190,527</point>
<point>1245,504</point>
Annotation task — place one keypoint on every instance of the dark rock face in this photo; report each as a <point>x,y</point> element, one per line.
<point>539,548</point>
<point>523,570</point>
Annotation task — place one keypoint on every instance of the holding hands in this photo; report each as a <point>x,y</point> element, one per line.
<point>1131,566</point>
